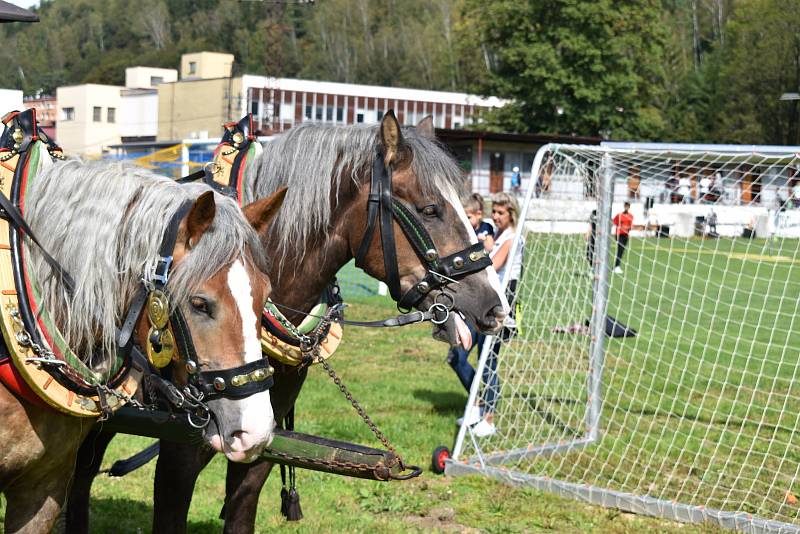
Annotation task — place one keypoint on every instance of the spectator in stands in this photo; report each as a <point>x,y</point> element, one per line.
<point>591,234</point>
<point>705,189</point>
<point>516,180</point>
<point>685,189</point>
<point>624,222</point>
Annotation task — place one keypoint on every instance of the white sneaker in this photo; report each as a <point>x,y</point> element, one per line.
<point>617,270</point>
<point>473,416</point>
<point>484,429</point>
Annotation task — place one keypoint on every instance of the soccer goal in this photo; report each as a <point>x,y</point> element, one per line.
<point>694,418</point>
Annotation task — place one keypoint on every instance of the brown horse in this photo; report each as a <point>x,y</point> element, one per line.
<point>103,223</point>
<point>320,228</point>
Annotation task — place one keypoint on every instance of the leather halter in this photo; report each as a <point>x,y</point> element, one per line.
<point>234,383</point>
<point>438,271</point>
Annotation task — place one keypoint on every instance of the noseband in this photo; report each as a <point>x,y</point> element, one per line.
<point>438,271</point>
<point>173,336</point>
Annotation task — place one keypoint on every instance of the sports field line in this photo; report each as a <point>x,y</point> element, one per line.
<point>732,255</point>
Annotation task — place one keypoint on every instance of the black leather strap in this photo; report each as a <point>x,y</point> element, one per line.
<point>11,214</point>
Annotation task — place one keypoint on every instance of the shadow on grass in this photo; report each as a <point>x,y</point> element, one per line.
<point>127,515</point>
<point>443,402</point>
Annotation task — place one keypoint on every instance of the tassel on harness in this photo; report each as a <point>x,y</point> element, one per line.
<point>290,499</point>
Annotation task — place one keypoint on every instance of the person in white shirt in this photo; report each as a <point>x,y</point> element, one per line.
<point>705,188</point>
<point>684,189</point>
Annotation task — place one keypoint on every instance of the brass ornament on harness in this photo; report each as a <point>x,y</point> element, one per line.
<point>158,309</point>
<point>161,355</point>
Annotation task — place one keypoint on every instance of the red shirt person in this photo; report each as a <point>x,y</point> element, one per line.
<point>624,222</point>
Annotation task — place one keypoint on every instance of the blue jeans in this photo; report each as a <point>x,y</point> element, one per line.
<point>457,357</point>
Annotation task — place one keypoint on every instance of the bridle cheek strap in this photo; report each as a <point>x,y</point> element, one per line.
<point>439,271</point>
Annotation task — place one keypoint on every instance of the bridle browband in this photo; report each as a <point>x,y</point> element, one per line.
<point>438,271</point>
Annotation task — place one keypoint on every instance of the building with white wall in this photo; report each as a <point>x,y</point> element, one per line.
<point>148,77</point>
<point>87,120</point>
<point>280,103</point>
<point>10,100</point>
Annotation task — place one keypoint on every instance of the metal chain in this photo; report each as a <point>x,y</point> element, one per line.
<point>314,351</point>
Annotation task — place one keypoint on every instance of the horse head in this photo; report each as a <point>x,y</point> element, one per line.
<point>437,259</point>
<point>222,318</point>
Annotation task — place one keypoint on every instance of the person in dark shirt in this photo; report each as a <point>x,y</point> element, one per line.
<point>590,236</point>
<point>624,222</point>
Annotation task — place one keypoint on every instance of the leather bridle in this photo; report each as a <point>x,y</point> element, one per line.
<point>438,271</point>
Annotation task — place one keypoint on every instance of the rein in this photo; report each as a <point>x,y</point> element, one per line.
<point>439,272</point>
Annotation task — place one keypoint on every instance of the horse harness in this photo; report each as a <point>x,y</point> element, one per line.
<point>169,334</point>
<point>439,272</point>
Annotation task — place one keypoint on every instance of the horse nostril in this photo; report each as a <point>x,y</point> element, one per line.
<point>497,313</point>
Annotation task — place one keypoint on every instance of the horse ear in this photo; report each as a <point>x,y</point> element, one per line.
<point>391,137</point>
<point>261,212</point>
<point>425,127</point>
<point>200,217</point>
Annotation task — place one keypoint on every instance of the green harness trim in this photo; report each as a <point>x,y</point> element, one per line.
<point>312,320</point>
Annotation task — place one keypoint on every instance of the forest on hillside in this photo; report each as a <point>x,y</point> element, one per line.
<point>661,70</point>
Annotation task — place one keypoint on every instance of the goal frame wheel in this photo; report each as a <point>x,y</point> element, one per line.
<point>440,454</point>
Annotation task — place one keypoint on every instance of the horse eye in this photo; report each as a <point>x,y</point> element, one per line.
<point>200,305</point>
<point>429,211</point>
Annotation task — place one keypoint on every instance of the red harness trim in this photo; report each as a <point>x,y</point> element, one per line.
<point>273,322</point>
<point>11,379</point>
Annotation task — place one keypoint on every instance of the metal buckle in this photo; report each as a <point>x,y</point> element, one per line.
<point>161,272</point>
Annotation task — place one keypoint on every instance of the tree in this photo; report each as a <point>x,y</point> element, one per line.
<point>588,68</point>
<point>761,61</point>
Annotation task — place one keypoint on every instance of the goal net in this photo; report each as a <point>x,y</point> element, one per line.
<point>695,414</point>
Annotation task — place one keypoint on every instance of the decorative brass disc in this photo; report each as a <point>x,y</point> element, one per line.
<point>162,358</point>
<point>158,309</point>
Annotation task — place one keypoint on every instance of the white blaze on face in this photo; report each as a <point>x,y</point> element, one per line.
<point>491,274</point>
<point>257,419</point>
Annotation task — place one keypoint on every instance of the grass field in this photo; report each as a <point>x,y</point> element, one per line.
<point>401,377</point>
<point>700,408</point>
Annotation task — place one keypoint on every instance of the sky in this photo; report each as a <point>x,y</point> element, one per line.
<point>24,3</point>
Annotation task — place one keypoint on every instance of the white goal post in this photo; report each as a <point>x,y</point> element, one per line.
<point>696,417</point>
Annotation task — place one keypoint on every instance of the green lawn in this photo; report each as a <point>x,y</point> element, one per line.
<point>701,407</point>
<point>401,377</point>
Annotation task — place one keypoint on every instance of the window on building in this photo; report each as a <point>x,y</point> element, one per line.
<point>67,114</point>
<point>319,113</point>
<point>360,117</point>
<point>155,80</point>
<point>329,114</point>
<point>254,108</point>
<point>308,113</point>
<point>379,116</point>
<point>97,114</point>
<point>111,115</point>
<point>287,112</point>
<point>192,67</point>
<point>339,114</point>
